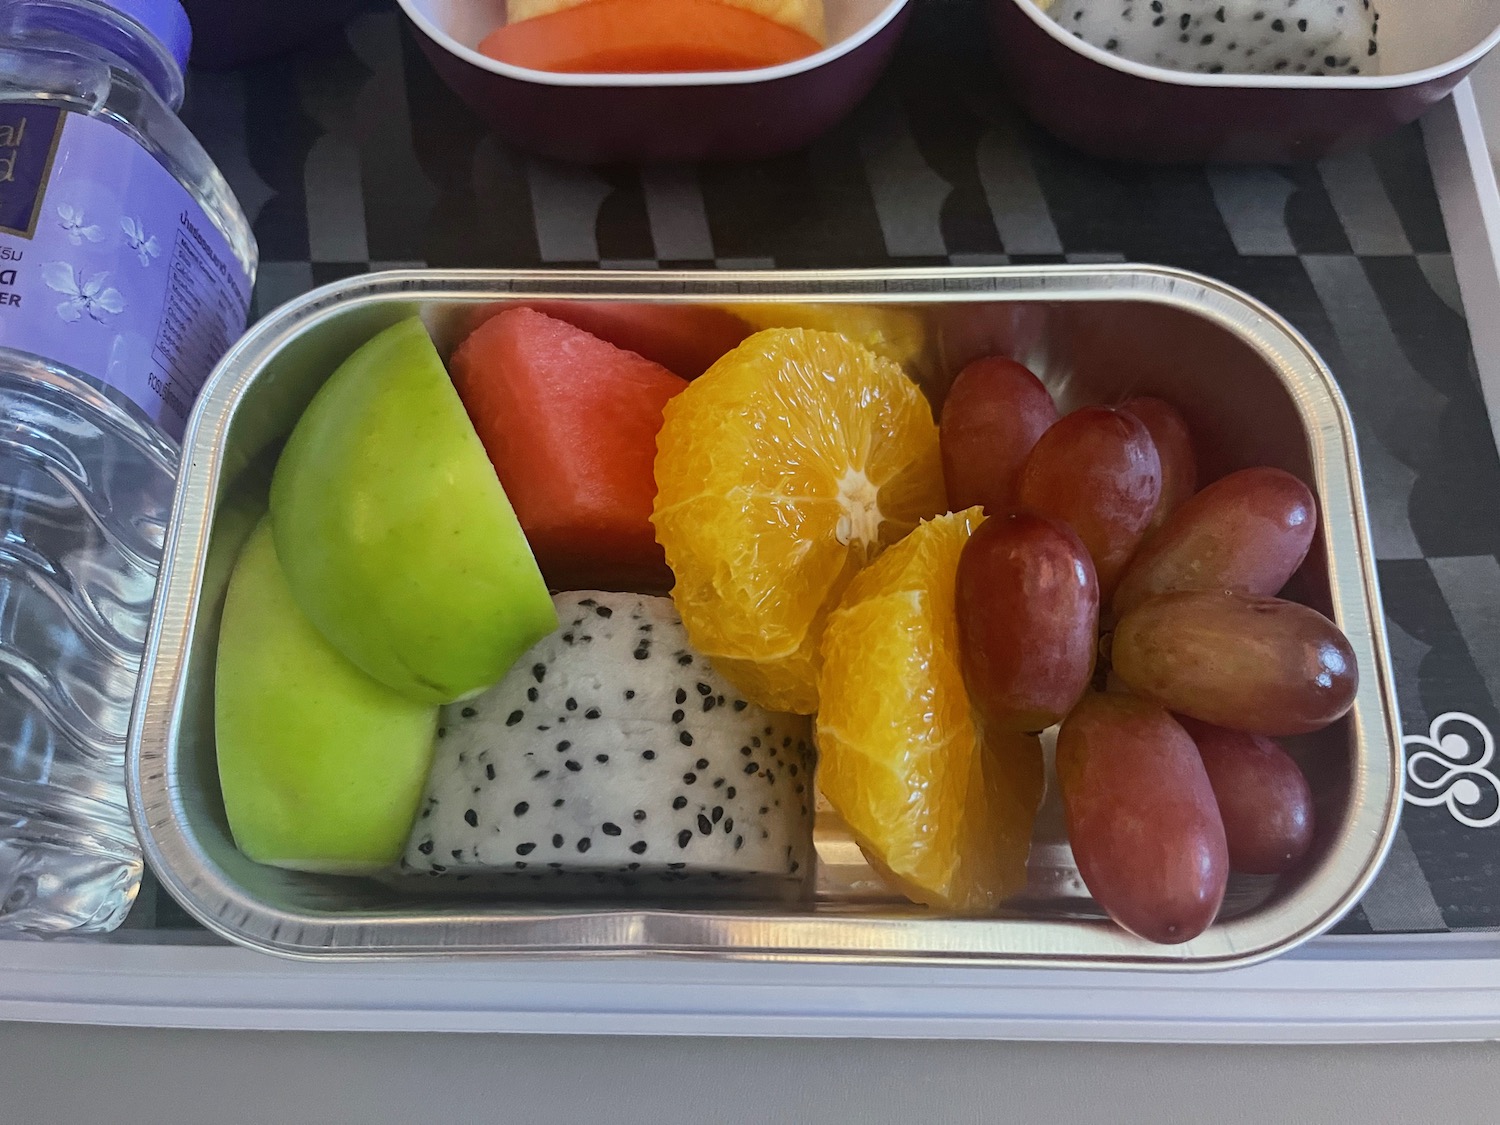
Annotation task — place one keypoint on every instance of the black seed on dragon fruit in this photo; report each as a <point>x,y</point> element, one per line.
<point>1303,37</point>
<point>643,792</point>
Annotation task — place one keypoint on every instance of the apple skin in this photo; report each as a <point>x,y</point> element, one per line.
<point>321,768</point>
<point>394,532</point>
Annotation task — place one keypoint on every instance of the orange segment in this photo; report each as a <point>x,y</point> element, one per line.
<point>945,812</point>
<point>894,333</point>
<point>780,472</point>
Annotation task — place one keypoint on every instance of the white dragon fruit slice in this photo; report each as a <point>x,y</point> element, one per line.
<point>613,749</point>
<point>1286,37</point>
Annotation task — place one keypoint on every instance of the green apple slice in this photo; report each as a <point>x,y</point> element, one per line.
<point>321,767</point>
<point>396,537</point>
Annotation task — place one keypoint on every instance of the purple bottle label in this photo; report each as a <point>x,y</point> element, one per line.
<point>108,265</point>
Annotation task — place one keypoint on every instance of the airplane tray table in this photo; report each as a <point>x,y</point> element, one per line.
<point>350,156</point>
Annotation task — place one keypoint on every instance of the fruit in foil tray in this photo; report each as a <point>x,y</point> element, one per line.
<point>321,766</point>
<point>992,417</point>
<point>447,658</point>
<point>1028,620</point>
<point>1170,780</point>
<point>1142,817</point>
<point>1247,532</point>
<point>1279,37</point>
<point>780,472</point>
<point>1174,450</point>
<point>1258,664</point>
<point>396,537</point>
<point>613,749</point>
<point>686,339</point>
<point>1097,470</point>
<point>1263,796</point>
<point>579,471</point>
<point>941,804</point>
<point>897,334</point>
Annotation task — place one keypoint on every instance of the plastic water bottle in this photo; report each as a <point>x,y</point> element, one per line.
<point>125,273</point>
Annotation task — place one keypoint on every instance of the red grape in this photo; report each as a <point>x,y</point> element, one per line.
<point>1096,470</point>
<point>993,415</point>
<point>1141,817</point>
<point>1247,532</point>
<point>1028,620</point>
<point>1263,798</point>
<point>1174,446</point>
<point>1254,664</point>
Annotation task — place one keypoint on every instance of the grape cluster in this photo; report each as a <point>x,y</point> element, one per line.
<point>1107,593</point>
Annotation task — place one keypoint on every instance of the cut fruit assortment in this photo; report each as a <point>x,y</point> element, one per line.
<point>582,491</point>
<point>457,613</point>
<point>611,746</point>
<point>940,805</point>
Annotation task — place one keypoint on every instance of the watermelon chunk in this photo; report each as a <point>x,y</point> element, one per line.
<point>570,423</point>
<point>685,339</point>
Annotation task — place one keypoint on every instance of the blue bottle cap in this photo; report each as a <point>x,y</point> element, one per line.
<point>166,20</point>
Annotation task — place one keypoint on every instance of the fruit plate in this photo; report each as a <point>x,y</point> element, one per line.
<point>1253,390</point>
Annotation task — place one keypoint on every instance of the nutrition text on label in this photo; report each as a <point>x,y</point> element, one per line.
<point>198,316</point>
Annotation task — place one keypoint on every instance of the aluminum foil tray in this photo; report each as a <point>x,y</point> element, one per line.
<point>1251,387</point>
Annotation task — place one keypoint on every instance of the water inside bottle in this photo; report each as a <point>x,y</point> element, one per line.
<point>85,487</point>
<point>87,458</point>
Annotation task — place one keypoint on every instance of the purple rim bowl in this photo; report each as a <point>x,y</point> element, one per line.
<point>1113,108</point>
<point>728,115</point>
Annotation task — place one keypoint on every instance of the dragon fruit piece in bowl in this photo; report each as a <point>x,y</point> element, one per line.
<point>1286,37</point>
<point>1104,76</point>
